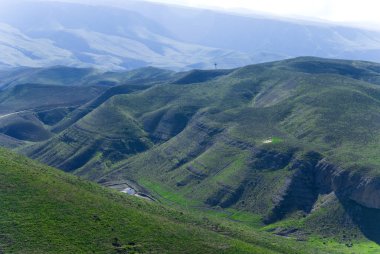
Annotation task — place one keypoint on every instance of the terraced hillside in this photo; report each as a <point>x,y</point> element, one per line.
<point>292,143</point>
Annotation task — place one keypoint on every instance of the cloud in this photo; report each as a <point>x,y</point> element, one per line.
<point>363,11</point>
<point>346,11</point>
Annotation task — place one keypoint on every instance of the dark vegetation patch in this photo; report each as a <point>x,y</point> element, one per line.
<point>226,196</point>
<point>53,116</point>
<point>167,123</point>
<point>271,160</point>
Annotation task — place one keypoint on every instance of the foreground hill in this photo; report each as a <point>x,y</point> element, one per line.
<point>46,211</point>
<point>291,145</point>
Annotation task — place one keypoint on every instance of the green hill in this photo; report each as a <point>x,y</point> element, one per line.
<point>46,211</point>
<point>290,145</point>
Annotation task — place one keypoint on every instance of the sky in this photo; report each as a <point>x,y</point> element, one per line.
<point>345,11</point>
<point>352,12</point>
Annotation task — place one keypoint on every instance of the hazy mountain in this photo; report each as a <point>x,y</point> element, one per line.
<point>142,34</point>
<point>70,34</point>
<point>258,34</point>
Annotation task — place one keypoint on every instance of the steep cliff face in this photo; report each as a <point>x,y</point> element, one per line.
<point>349,185</point>
<point>314,176</point>
<point>323,192</point>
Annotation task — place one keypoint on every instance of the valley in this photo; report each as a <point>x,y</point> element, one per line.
<point>284,152</point>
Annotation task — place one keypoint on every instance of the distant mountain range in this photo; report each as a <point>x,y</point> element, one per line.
<point>147,34</point>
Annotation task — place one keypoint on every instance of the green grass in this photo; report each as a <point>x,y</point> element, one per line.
<point>276,140</point>
<point>248,218</point>
<point>44,210</point>
<point>167,195</point>
<point>362,247</point>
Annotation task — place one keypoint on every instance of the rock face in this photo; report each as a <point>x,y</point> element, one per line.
<point>314,176</point>
<point>301,190</point>
<point>354,186</point>
<point>368,193</point>
<point>363,190</point>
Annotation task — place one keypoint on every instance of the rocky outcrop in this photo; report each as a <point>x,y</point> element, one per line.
<point>364,190</point>
<point>314,176</point>
<point>367,193</point>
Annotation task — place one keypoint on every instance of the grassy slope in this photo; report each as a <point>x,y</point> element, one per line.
<point>206,134</point>
<point>44,210</point>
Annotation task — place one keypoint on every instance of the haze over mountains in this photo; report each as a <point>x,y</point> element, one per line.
<point>146,34</point>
